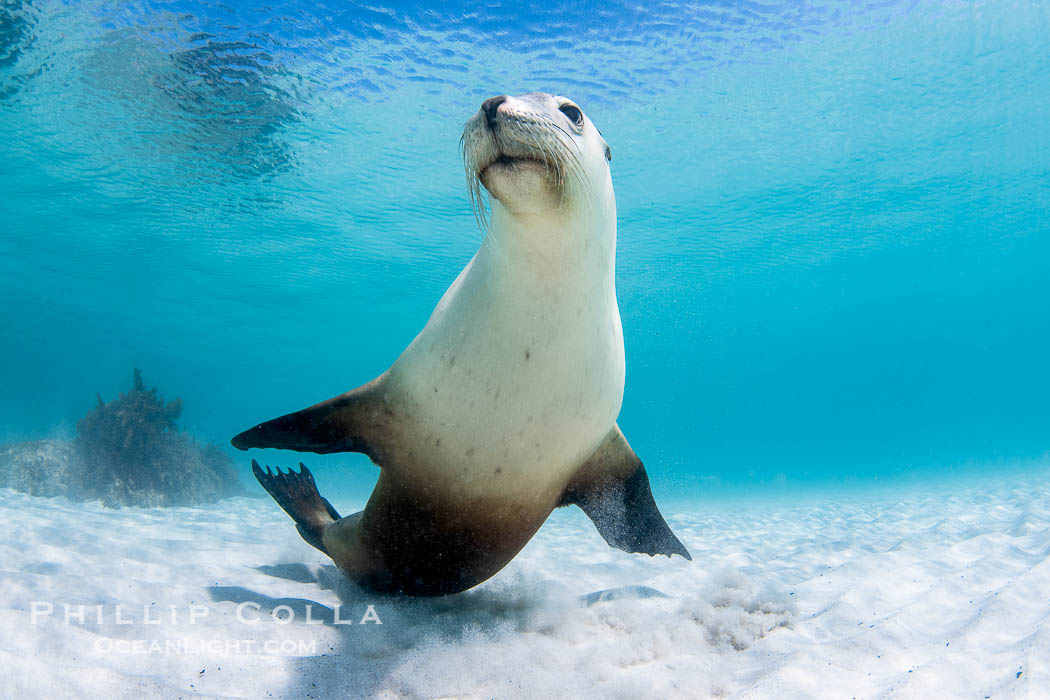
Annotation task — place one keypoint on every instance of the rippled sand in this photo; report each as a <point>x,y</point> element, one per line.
<point>935,592</point>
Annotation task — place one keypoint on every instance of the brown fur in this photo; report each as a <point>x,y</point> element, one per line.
<point>417,544</point>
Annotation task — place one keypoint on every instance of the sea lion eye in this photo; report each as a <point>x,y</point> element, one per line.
<point>572,112</point>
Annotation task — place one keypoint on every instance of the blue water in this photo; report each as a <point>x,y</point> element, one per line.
<point>834,238</point>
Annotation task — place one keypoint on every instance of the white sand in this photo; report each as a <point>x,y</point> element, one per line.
<point>942,593</point>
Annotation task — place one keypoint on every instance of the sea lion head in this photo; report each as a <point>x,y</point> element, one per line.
<point>536,154</point>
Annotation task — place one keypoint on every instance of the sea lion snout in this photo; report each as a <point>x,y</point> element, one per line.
<point>526,152</point>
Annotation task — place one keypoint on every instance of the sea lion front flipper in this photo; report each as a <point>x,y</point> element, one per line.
<point>612,488</point>
<point>351,422</point>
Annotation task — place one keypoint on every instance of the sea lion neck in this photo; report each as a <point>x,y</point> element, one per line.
<point>560,245</point>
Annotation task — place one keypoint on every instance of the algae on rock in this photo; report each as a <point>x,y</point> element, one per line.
<point>127,452</point>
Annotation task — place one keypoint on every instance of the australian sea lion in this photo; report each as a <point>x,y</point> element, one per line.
<point>504,406</point>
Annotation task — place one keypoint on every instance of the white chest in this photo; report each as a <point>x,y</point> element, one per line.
<point>515,378</point>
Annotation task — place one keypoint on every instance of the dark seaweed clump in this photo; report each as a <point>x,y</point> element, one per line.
<point>131,452</point>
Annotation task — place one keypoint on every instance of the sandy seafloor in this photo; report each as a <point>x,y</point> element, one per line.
<point>931,591</point>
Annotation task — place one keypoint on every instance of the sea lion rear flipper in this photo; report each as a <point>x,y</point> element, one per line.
<point>612,488</point>
<point>297,494</point>
<point>350,422</point>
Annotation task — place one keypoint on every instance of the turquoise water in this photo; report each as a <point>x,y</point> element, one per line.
<point>834,238</point>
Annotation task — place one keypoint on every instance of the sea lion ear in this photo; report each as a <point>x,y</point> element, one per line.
<point>612,488</point>
<point>605,144</point>
<point>352,422</point>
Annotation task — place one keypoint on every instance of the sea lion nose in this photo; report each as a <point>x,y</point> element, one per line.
<point>491,106</point>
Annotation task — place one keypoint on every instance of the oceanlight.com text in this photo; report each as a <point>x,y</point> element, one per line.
<point>270,647</point>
